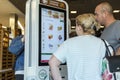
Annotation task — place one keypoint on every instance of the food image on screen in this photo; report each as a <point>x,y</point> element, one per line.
<point>58,45</point>
<point>50,46</point>
<point>60,37</point>
<point>59,28</point>
<point>49,12</point>
<point>56,15</point>
<point>52,32</point>
<point>50,36</point>
<point>62,15</point>
<point>51,27</point>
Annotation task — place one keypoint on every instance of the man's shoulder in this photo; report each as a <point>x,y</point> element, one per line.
<point>117,22</point>
<point>116,25</point>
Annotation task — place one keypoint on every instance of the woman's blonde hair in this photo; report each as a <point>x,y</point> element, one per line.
<point>87,22</point>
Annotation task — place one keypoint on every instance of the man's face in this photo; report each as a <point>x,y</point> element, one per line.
<point>99,15</point>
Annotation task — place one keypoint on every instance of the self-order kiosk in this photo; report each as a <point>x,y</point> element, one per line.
<point>46,29</point>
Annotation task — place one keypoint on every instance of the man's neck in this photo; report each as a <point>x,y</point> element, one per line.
<point>109,21</point>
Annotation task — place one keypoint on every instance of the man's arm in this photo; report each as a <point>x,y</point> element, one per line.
<point>54,66</point>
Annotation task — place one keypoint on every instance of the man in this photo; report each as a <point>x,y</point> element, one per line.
<point>111,33</point>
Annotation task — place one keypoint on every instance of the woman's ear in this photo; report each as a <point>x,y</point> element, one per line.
<point>79,28</point>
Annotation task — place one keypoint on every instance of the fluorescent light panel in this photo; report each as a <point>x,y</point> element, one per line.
<point>73,12</point>
<point>4,27</point>
<point>116,11</point>
<point>20,25</point>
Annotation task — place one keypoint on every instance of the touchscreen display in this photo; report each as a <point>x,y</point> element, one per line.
<point>52,32</point>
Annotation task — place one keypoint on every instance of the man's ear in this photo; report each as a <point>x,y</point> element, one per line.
<point>105,14</point>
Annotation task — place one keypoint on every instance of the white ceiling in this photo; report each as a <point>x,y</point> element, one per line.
<point>7,8</point>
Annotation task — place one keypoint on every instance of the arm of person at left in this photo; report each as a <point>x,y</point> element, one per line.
<point>16,44</point>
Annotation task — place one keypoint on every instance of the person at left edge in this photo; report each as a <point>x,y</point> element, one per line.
<point>15,47</point>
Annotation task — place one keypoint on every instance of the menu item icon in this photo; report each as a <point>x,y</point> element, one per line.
<point>59,28</point>
<point>62,15</point>
<point>51,27</point>
<point>50,36</point>
<point>50,46</point>
<point>49,12</point>
<point>59,37</point>
<point>55,15</point>
<point>58,45</point>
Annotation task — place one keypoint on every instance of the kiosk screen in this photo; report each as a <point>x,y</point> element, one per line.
<point>52,31</point>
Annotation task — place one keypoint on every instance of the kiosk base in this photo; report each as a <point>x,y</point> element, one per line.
<point>43,73</point>
<point>63,71</point>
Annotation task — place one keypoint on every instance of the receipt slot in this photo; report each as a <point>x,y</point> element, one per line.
<point>46,29</point>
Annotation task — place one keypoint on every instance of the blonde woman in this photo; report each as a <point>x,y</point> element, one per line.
<point>83,53</point>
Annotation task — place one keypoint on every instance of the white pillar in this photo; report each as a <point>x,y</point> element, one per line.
<point>13,24</point>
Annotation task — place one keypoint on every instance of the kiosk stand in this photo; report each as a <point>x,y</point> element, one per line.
<point>46,29</point>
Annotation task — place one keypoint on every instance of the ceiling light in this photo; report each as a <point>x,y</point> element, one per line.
<point>101,26</point>
<point>73,12</point>
<point>20,25</point>
<point>73,27</point>
<point>4,27</point>
<point>116,11</point>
